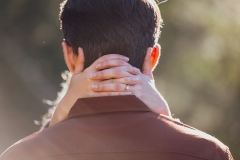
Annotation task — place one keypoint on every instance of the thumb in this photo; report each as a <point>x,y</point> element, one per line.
<point>147,65</point>
<point>79,67</point>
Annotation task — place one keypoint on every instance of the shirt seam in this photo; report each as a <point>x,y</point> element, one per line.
<point>103,113</point>
<point>226,152</point>
<point>178,123</point>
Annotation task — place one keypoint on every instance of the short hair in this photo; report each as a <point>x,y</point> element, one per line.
<point>101,27</point>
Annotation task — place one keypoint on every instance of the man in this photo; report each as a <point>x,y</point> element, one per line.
<point>124,126</point>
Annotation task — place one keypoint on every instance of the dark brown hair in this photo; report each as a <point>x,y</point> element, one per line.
<point>100,27</point>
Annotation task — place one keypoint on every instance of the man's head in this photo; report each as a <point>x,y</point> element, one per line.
<point>100,27</point>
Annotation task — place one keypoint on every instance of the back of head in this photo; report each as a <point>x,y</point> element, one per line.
<point>100,27</point>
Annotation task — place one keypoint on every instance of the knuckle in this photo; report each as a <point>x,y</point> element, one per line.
<point>99,74</point>
<point>105,57</point>
<point>120,62</point>
<point>110,63</point>
<point>128,80</point>
<point>97,88</point>
<point>137,70</point>
<point>102,87</point>
<point>102,64</point>
<point>117,72</point>
<point>117,87</point>
<point>131,69</point>
<point>120,57</point>
<point>112,81</point>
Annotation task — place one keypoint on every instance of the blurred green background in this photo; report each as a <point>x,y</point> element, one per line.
<point>198,74</point>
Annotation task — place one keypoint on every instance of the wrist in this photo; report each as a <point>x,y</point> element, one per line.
<point>162,107</point>
<point>63,109</point>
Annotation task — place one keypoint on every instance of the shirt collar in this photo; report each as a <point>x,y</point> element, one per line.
<point>95,105</point>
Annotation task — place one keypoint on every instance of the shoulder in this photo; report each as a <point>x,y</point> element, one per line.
<point>41,144</point>
<point>192,141</point>
<point>22,149</point>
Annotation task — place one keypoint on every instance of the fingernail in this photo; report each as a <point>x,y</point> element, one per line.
<point>94,86</point>
<point>93,75</point>
<point>98,65</point>
<point>126,58</point>
<point>135,80</point>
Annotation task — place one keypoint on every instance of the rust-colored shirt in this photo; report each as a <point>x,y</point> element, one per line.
<point>117,128</point>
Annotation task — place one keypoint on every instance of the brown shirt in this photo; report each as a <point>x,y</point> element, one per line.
<point>117,128</point>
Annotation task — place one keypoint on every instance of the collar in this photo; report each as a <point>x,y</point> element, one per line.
<point>95,105</point>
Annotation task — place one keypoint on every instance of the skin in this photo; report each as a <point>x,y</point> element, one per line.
<point>109,76</point>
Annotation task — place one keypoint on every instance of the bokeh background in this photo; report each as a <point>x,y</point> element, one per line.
<point>198,74</point>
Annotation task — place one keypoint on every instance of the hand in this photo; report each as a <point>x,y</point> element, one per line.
<point>81,82</point>
<point>144,89</point>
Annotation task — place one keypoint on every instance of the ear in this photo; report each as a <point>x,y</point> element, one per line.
<point>151,60</point>
<point>69,56</point>
<point>155,56</point>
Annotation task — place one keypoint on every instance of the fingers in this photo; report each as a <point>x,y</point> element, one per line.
<point>111,74</point>
<point>130,69</point>
<point>80,62</point>
<point>117,87</point>
<point>114,63</point>
<point>102,94</point>
<point>111,57</point>
<point>127,80</point>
